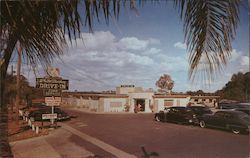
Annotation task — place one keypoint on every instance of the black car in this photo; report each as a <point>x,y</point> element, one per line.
<point>228,106</point>
<point>36,115</point>
<point>176,114</point>
<point>200,110</point>
<point>245,110</point>
<point>236,121</point>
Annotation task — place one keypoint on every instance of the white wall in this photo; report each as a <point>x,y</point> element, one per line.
<point>160,102</point>
<point>108,102</point>
<point>87,104</point>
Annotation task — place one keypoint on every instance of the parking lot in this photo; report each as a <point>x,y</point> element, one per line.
<point>130,132</point>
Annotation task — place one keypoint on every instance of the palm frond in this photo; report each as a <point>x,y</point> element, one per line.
<point>40,26</point>
<point>209,27</point>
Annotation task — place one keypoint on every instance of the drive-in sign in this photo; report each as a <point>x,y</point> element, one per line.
<point>49,116</point>
<point>52,92</point>
<point>53,101</point>
<point>52,83</point>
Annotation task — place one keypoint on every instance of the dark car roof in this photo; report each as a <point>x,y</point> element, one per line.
<point>178,107</point>
<point>197,106</point>
<point>232,112</point>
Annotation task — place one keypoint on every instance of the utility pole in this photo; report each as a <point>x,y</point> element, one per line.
<point>18,79</point>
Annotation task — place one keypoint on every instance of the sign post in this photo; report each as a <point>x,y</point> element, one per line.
<point>52,112</point>
<point>53,86</point>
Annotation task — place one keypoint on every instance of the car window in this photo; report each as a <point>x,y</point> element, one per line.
<point>167,110</point>
<point>174,110</point>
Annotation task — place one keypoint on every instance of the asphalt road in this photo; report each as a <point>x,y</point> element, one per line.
<point>130,132</point>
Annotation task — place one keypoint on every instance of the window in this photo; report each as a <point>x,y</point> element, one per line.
<point>174,110</point>
<point>115,104</point>
<point>168,103</point>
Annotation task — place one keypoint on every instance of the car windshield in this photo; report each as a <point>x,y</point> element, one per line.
<point>243,106</point>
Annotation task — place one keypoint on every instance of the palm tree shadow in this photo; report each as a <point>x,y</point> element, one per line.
<point>22,129</point>
<point>148,155</point>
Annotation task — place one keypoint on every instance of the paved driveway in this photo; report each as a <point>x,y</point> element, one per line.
<point>129,132</point>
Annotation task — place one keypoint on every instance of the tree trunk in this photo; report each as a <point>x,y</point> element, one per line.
<point>4,144</point>
<point>18,81</point>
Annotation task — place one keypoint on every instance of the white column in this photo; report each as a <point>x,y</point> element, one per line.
<point>147,109</point>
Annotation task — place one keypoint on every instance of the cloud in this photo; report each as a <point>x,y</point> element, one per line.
<point>180,45</point>
<point>101,56</point>
<point>234,55</point>
<point>100,61</point>
<point>133,43</point>
<point>244,60</point>
<point>173,63</point>
<point>143,60</point>
<point>152,51</point>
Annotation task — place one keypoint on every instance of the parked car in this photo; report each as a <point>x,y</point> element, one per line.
<point>177,114</point>
<point>228,106</point>
<point>200,110</point>
<point>36,115</point>
<point>245,110</point>
<point>236,121</point>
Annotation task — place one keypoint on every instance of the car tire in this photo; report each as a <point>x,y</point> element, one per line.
<point>235,131</point>
<point>157,118</point>
<point>202,124</point>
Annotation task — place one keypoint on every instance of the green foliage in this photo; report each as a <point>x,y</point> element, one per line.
<point>238,88</point>
<point>11,91</point>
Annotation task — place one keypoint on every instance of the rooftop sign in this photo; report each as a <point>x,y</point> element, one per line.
<point>127,85</point>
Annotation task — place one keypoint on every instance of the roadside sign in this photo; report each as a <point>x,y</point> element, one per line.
<point>53,101</point>
<point>53,72</point>
<point>52,83</point>
<point>49,116</point>
<point>52,92</point>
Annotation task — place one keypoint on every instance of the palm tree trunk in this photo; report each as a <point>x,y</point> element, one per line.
<point>4,144</point>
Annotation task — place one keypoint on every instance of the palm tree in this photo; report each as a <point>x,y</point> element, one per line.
<point>209,27</point>
<point>41,26</point>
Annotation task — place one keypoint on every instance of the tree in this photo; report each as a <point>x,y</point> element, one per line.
<point>237,88</point>
<point>165,83</point>
<point>40,27</point>
<point>10,92</point>
<point>209,27</point>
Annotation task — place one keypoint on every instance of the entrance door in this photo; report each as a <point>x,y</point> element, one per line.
<point>140,103</point>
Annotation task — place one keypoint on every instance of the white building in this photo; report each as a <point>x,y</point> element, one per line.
<point>125,99</point>
<point>210,101</point>
<point>162,101</point>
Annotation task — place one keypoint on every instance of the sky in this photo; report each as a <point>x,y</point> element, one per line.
<point>139,48</point>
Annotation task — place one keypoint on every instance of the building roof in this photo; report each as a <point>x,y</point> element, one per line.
<point>204,97</point>
<point>171,96</point>
<point>96,95</point>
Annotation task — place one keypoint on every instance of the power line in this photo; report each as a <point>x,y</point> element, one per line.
<point>83,74</point>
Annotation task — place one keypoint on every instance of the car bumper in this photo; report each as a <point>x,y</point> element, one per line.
<point>63,118</point>
<point>193,121</point>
